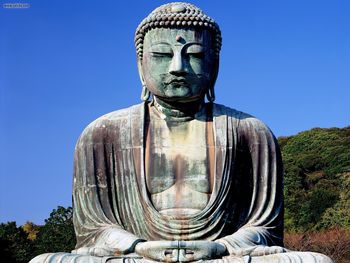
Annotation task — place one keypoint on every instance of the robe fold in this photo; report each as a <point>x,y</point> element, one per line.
<point>112,207</point>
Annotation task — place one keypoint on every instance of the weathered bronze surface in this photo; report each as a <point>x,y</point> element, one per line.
<point>178,179</point>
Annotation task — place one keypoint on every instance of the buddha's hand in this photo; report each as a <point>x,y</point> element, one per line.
<point>256,251</point>
<point>180,251</point>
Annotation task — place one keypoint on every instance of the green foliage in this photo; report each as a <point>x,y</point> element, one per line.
<point>316,165</point>
<point>14,244</point>
<point>21,244</point>
<point>339,214</point>
<point>57,235</point>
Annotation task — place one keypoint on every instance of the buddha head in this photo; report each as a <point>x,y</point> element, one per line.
<point>178,49</point>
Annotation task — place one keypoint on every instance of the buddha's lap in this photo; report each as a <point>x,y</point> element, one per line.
<point>295,257</point>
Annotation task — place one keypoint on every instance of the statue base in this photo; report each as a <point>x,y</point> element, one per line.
<point>295,257</point>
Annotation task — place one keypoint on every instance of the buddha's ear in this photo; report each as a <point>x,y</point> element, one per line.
<point>211,92</point>
<point>139,68</point>
<point>145,94</point>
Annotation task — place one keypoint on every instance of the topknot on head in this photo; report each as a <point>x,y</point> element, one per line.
<point>177,14</point>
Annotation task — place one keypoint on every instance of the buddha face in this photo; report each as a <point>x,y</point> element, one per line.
<point>178,64</point>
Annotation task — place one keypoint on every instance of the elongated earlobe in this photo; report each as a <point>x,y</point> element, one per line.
<point>145,94</point>
<point>210,94</point>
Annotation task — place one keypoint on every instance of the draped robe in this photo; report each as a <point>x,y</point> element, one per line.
<point>112,207</point>
<point>110,193</point>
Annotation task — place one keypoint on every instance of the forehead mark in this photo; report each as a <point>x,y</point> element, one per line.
<point>180,39</point>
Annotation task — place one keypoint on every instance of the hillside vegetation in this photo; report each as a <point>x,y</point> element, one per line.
<point>317,179</point>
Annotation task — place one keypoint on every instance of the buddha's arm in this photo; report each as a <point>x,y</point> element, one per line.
<point>251,241</point>
<point>110,241</point>
<point>97,223</point>
<point>262,224</point>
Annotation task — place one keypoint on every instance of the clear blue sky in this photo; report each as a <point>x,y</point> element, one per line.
<point>64,63</point>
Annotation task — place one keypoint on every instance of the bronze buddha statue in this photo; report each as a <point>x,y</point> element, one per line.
<point>178,178</point>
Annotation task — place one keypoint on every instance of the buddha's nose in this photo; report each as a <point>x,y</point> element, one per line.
<point>177,65</point>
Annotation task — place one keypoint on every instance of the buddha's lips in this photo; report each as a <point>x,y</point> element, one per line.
<point>179,81</point>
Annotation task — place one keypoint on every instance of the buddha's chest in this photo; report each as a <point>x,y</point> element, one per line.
<point>179,164</point>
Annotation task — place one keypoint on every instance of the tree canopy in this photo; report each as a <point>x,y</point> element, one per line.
<point>21,244</point>
<point>317,179</point>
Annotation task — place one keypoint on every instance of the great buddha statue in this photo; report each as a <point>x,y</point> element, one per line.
<point>178,178</point>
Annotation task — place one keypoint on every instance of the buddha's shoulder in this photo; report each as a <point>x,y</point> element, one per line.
<point>241,119</point>
<point>240,116</point>
<point>113,120</point>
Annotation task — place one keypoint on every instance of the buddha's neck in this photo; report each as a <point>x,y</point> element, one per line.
<point>178,111</point>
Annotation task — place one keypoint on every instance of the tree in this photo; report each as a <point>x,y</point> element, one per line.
<point>317,165</point>
<point>15,247</point>
<point>31,230</point>
<point>57,235</point>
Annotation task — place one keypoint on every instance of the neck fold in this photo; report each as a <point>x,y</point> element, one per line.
<point>178,111</point>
